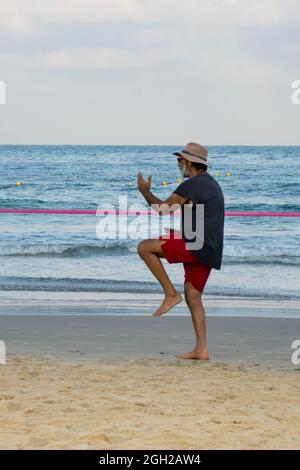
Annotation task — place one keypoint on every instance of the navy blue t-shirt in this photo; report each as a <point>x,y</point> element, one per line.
<point>204,189</point>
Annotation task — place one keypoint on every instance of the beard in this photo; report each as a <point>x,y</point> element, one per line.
<point>184,172</point>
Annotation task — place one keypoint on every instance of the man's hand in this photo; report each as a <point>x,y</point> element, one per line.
<point>143,185</point>
<point>168,206</point>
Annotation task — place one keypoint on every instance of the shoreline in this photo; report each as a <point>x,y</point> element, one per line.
<point>103,325</point>
<point>232,340</point>
<point>138,304</point>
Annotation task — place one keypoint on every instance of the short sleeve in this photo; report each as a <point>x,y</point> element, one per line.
<point>183,189</point>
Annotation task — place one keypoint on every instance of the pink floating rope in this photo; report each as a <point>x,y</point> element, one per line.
<point>262,214</point>
<point>77,211</point>
<point>135,212</point>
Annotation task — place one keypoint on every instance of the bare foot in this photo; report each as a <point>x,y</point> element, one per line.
<point>168,303</point>
<point>195,354</point>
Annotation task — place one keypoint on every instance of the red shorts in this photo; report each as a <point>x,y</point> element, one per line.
<point>175,251</point>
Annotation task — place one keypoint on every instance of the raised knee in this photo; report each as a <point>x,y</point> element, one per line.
<point>141,248</point>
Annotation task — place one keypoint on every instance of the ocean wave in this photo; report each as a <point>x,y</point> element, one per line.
<point>103,247</point>
<point>74,284</point>
<point>261,254</point>
<point>53,284</point>
<point>259,259</point>
<point>232,254</point>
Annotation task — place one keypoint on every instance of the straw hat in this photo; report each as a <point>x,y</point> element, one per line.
<point>193,152</point>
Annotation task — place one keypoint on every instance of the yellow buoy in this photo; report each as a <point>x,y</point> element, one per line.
<point>228,173</point>
<point>19,183</point>
<point>179,180</point>
<point>164,183</point>
<point>217,173</point>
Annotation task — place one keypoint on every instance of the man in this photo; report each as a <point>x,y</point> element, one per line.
<point>199,188</point>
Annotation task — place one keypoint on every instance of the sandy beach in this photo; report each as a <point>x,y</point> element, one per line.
<point>108,381</point>
<point>146,404</point>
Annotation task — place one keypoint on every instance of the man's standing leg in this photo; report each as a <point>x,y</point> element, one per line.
<point>193,300</point>
<point>150,251</point>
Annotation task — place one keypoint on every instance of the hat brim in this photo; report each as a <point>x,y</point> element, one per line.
<point>190,158</point>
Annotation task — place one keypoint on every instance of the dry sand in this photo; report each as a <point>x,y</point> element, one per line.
<point>146,403</point>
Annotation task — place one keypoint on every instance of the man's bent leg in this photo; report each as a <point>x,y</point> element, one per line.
<point>193,300</point>
<point>150,251</point>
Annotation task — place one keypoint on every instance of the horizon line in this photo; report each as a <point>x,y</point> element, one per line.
<point>147,145</point>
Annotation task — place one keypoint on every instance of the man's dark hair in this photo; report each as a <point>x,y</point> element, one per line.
<point>199,166</point>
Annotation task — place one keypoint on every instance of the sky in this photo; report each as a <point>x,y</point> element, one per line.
<point>163,72</point>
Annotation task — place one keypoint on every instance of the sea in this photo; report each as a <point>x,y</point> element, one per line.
<point>94,253</point>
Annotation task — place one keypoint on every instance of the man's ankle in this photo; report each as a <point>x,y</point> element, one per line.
<point>171,294</point>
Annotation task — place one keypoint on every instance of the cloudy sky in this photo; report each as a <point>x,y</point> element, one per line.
<point>149,71</point>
